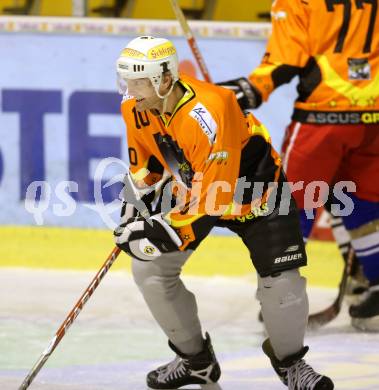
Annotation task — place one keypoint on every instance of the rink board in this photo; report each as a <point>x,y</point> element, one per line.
<point>87,249</point>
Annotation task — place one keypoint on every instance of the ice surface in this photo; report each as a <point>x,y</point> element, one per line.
<point>115,341</point>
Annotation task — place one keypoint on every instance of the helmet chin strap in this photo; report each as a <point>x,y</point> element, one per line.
<point>165,103</point>
<point>165,96</point>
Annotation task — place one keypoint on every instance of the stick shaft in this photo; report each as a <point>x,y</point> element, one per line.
<point>70,319</point>
<point>325,316</point>
<point>191,40</point>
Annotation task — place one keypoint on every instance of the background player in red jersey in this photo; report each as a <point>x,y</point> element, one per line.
<point>333,48</point>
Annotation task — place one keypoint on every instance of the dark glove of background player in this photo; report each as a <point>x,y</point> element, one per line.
<point>247,96</point>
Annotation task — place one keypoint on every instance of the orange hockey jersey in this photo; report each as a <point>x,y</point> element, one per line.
<point>333,46</point>
<point>206,143</point>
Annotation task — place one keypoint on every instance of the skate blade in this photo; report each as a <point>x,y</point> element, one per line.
<point>366,324</point>
<point>211,386</point>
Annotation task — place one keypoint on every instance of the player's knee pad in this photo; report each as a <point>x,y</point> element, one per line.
<point>143,272</point>
<point>171,304</point>
<point>160,278</point>
<point>282,291</point>
<point>285,310</point>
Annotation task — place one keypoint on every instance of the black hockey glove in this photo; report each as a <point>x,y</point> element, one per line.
<point>128,213</point>
<point>247,96</point>
<point>147,240</point>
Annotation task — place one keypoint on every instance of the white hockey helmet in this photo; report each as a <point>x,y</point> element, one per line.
<point>147,57</point>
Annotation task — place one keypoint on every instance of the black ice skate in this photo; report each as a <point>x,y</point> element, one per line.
<point>295,373</point>
<point>357,284</point>
<point>365,315</point>
<point>201,369</point>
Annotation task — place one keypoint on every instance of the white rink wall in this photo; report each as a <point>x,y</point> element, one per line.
<point>59,108</point>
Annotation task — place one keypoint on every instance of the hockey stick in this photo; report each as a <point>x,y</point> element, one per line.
<point>70,319</point>
<point>323,317</point>
<point>190,39</point>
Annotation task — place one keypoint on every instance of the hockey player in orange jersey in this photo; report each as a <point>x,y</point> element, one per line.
<point>333,47</point>
<point>191,137</point>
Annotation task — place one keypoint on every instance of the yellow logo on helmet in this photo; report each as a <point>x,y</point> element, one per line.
<point>149,250</point>
<point>161,51</point>
<point>131,53</point>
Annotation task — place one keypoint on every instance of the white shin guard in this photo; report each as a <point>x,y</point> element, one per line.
<point>171,304</point>
<point>285,309</point>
